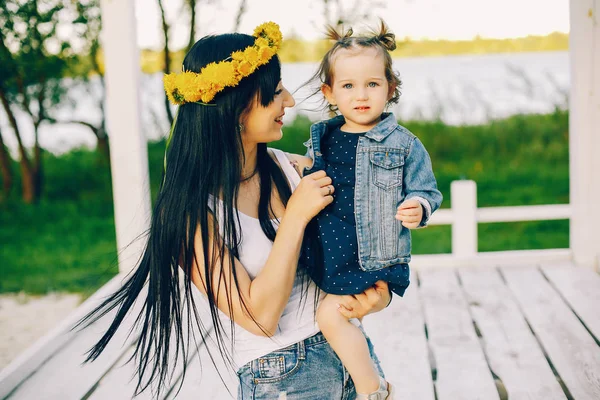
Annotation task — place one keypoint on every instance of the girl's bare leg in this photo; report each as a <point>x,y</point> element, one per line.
<point>349,343</point>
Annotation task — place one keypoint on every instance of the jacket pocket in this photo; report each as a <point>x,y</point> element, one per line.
<point>387,168</point>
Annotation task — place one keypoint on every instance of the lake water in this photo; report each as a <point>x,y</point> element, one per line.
<point>467,89</point>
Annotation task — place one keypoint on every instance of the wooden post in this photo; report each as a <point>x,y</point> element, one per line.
<point>128,147</point>
<point>584,131</point>
<point>463,195</point>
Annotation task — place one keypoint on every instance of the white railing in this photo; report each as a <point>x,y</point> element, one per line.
<point>464,217</point>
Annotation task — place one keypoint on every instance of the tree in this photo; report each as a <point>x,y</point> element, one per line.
<point>240,15</point>
<point>167,53</point>
<point>191,5</point>
<point>33,59</point>
<point>339,12</point>
<point>5,171</point>
<point>88,23</point>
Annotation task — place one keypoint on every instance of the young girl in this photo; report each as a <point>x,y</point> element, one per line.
<point>384,186</point>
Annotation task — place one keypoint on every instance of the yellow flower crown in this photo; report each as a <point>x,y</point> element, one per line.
<point>192,87</point>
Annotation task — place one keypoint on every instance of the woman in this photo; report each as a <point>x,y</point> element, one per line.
<point>226,217</point>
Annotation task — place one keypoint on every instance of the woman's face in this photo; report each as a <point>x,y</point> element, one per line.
<point>263,124</point>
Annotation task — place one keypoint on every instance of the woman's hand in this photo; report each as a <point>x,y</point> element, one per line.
<point>372,300</point>
<point>314,193</point>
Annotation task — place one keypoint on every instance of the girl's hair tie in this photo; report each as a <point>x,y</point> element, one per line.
<point>333,34</point>
<point>387,38</point>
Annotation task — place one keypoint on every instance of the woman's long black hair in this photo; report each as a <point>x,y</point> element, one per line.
<point>203,164</point>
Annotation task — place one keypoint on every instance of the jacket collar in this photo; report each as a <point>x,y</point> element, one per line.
<point>383,129</point>
<point>379,132</point>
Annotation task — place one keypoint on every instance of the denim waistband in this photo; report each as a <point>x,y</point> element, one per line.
<point>300,347</point>
<point>314,339</point>
<point>317,338</point>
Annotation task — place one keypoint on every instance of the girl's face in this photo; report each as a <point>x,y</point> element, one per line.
<point>263,124</point>
<point>359,87</point>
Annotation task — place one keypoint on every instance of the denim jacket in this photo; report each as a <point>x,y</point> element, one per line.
<point>392,166</point>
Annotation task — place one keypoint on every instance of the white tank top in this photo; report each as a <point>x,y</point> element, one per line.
<point>297,321</point>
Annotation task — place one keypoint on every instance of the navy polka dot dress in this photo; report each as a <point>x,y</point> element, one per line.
<point>337,226</point>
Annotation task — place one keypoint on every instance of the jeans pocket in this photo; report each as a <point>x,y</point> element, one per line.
<point>277,365</point>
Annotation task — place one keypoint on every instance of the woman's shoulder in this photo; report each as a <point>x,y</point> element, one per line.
<point>297,161</point>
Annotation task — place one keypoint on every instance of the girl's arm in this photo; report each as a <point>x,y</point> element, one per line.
<point>267,294</point>
<point>419,181</point>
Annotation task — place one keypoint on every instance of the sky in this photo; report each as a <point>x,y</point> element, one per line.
<point>418,19</point>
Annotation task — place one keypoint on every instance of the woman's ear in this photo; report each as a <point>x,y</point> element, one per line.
<point>328,93</point>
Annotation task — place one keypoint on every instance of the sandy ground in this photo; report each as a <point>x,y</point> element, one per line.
<point>25,318</point>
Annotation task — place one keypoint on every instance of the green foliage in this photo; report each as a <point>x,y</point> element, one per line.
<point>295,49</point>
<point>500,156</point>
<point>33,57</point>
<point>555,41</point>
<point>67,241</point>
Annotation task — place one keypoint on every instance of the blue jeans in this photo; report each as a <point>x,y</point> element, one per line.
<point>309,369</point>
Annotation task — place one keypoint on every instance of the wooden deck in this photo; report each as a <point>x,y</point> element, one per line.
<point>519,332</point>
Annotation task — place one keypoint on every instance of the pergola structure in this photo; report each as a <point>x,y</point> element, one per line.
<point>525,327</point>
<point>130,162</point>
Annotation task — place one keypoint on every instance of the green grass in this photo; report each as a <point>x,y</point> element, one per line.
<point>67,241</point>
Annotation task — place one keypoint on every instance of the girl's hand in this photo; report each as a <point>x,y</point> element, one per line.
<point>314,193</point>
<point>372,300</point>
<point>410,213</point>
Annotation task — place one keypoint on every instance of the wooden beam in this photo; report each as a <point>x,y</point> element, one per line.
<point>573,352</point>
<point>580,287</point>
<point>584,130</point>
<point>462,371</point>
<point>398,335</point>
<point>511,348</point>
<point>128,147</point>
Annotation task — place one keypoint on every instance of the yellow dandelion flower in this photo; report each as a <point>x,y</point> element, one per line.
<point>237,55</point>
<point>261,42</point>
<point>265,54</point>
<point>214,77</point>
<point>207,97</point>
<point>245,68</point>
<point>251,55</point>
<point>228,74</point>
<point>171,88</point>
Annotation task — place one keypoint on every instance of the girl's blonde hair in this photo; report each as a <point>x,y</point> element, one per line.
<point>383,40</point>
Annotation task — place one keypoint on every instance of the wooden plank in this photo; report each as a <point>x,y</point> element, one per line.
<point>203,377</point>
<point>581,289</point>
<point>31,359</point>
<point>491,258</point>
<point>462,371</point>
<point>398,335</point>
<point>513,352</point>
<point>119,383</point>
<point>64,376</point>
<point>572,350</point>
<point>546,212</point>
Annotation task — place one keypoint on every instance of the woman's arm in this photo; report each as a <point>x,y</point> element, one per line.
<point>265,296</point>
<point>299,162</point>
